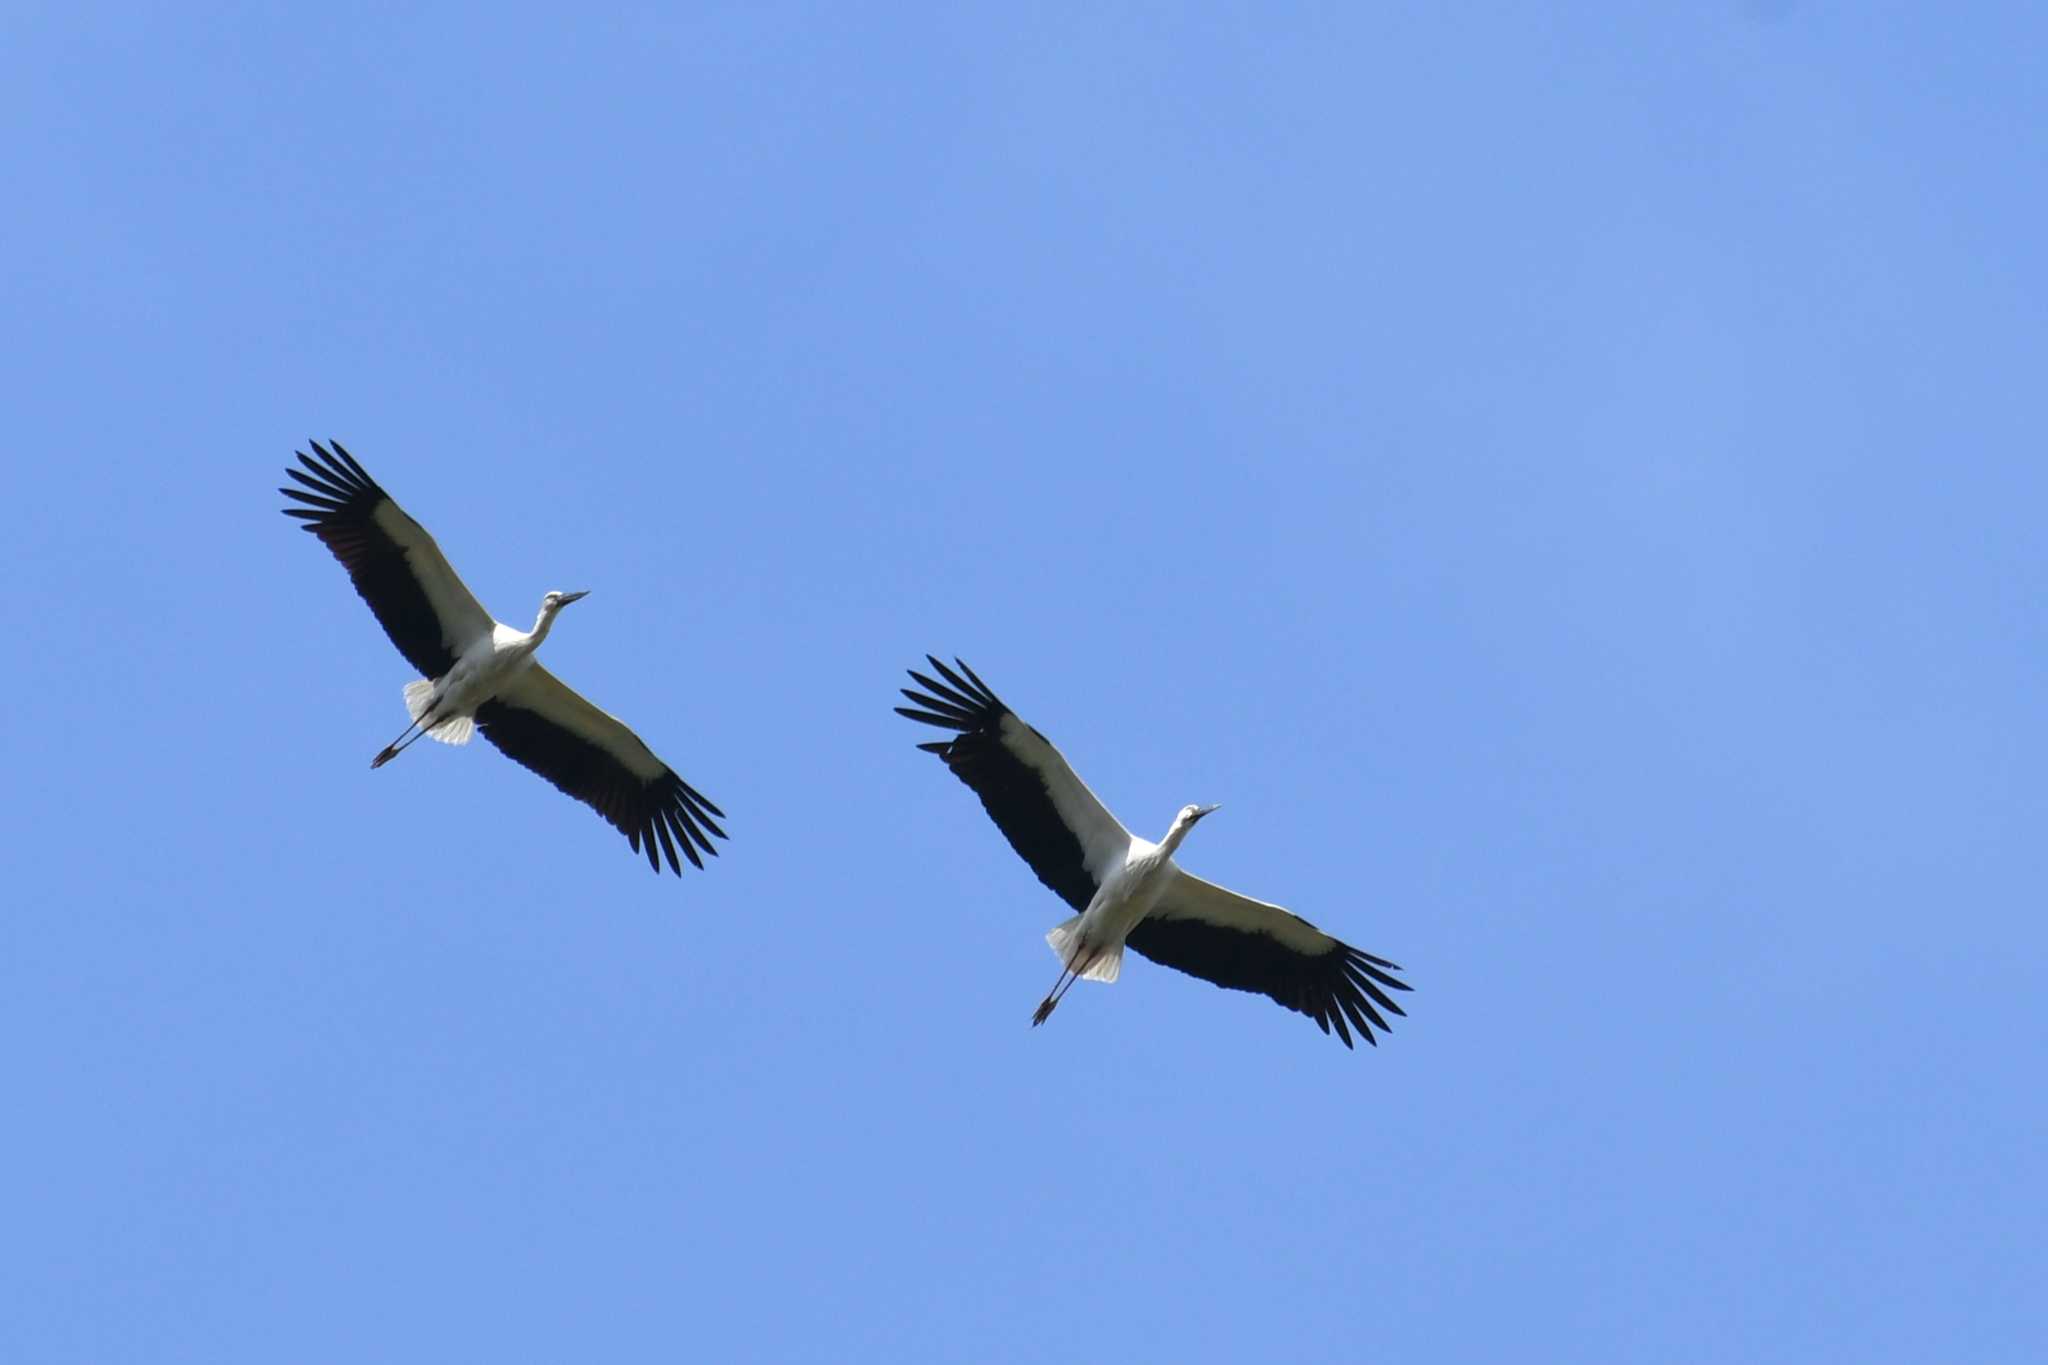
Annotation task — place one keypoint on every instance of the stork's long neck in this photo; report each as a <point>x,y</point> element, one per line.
<point>1174,834</point>
<point>544,623</point>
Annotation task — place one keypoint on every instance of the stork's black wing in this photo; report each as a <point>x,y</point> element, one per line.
<point>1046,812</point>
<point>395,565</point>
<point>544,725</point>
<point>1246,945</point>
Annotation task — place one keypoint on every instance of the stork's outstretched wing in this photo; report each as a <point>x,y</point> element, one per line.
<point>1046,812</point>
<point>395,565</point>
<point>1241,944</point>
<point>541,723</point>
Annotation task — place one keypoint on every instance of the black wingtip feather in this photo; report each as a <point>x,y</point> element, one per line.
<point>702,802</point>
<point>933,718</point>
<point>975,678</point>
<point>668,846</point>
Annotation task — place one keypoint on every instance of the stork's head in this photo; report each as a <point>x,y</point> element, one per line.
<point>555,601</point>
<point>1184,821</point>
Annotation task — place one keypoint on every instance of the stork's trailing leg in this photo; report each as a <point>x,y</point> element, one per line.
<point>397,746</point>
<point>1068,976</point>
<point>1046,1006</point>
<point>434,714</point>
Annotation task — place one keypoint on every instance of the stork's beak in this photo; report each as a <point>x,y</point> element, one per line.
<point>1205,810</point>
<point>569,597</point>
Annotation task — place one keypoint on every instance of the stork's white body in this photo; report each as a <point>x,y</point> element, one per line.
<point>445,707</point>
<point>1091,944</point>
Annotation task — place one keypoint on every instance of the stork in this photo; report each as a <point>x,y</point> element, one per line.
<point>1129,891</point>
<point>482,674</point>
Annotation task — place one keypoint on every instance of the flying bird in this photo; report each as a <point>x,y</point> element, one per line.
<point>1129,891</point>
<point>482,674</point>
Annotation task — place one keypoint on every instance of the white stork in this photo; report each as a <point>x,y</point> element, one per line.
<point>1128,890</point>
<point>482,673</point>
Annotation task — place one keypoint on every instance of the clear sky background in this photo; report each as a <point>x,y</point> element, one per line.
<point>1568,479</point>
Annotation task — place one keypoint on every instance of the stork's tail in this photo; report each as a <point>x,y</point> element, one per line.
<point>419,700</point>
<point>419,696</point>
<point>1065,939</point>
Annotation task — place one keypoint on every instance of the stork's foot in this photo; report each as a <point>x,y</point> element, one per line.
<point>1044,1011</point>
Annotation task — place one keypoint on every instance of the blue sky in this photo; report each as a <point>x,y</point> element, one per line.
<point>1568,480</point>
